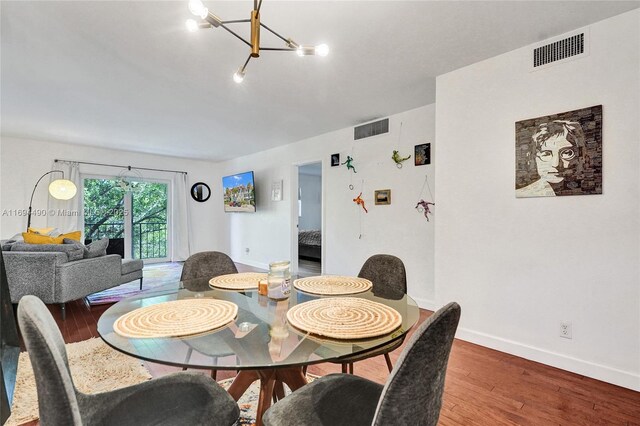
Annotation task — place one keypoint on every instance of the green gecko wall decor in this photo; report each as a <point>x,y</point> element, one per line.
<point>396,157</point>
<point>349,165</point>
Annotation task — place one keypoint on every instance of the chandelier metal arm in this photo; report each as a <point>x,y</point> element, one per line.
<point>259,5</point>
<point>237,21</point>
<point>273,32</point>
<point>283,49</point>
<point>245,63</point>
<point>234,33</point>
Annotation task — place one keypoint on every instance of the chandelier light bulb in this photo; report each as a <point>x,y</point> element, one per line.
<point>306,50</point>
<point>197,8</point>
<point>192,25</point>
<point>322,50</point>
<point>238,76</point>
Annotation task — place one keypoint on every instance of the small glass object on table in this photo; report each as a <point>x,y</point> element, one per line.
<point>279,278</point>
<point>263,287</point>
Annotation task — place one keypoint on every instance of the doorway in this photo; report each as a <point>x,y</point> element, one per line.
<point>133,214</point>
<point>310,219</point>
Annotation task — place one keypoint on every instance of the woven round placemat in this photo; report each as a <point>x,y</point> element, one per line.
<point>176,318</point>
<point>344,318</point>
<point>334,285</point>
<point>241,281</point>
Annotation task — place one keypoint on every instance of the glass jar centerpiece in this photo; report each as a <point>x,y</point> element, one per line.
<point>279,280</point>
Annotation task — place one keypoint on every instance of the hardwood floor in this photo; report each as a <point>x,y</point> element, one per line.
<point>483,386</point>
<point>308,268</point>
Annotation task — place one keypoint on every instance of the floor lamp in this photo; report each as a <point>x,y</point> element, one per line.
<point>60,189</point>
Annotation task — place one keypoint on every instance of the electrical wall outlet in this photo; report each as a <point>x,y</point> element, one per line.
<point>565,329</point>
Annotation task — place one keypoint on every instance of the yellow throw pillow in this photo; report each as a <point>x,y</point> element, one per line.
<point>32,238</point>
<point>41,231</point>
<point>75,235</point>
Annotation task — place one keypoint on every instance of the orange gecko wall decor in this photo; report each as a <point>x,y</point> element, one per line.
<point>359,201</point>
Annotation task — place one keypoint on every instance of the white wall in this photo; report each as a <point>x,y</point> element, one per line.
<point>311,198</point>
<point>24,161</point>
<point>520,266</point>
<point>397,229</point>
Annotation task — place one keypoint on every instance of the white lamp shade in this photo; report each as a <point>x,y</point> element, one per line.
<point>62,189</point>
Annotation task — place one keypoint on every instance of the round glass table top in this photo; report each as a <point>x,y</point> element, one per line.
<point>259,337</point>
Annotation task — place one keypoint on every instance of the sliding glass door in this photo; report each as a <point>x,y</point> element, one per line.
<point>132,213</point>
<point>149,236</point>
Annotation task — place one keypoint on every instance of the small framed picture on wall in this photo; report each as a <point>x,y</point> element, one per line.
<point>422,154</point>
<point>276,190</point>
<point>335,160</point>
<point>382,197</point>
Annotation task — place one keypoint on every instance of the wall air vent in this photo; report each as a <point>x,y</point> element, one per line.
<point>560,50</point>
<point>371,129</point>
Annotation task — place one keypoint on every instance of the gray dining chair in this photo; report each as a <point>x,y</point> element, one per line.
<point>389,278</point>
<point>207,264</point>
<point>175,399</point>
<point>412,394</point>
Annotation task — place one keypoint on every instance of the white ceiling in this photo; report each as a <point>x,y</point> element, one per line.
<point>127,75</point>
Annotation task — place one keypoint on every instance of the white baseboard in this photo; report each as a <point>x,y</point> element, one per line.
<point>596,371</point>
<point>427,304</point>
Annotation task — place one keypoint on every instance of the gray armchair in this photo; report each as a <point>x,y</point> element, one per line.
<point>176,399</point>
<point>411,396</point>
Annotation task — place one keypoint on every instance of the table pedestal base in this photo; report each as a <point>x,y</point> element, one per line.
<point>271,385</point>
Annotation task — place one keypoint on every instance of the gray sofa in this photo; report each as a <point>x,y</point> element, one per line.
<point>58,274</point>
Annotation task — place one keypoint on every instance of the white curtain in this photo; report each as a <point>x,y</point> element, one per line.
<point>67,216</point>
<point>181,230</point>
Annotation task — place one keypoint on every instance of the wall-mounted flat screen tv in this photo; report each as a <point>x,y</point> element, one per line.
<point>239,193</point>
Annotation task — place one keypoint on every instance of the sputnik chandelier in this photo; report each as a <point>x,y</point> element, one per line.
<point>209,20</point>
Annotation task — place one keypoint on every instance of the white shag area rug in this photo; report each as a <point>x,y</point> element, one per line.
<point>95,368</point>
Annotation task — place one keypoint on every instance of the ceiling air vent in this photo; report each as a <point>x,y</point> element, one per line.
<point>371,129</point>
<point>560,50</point>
